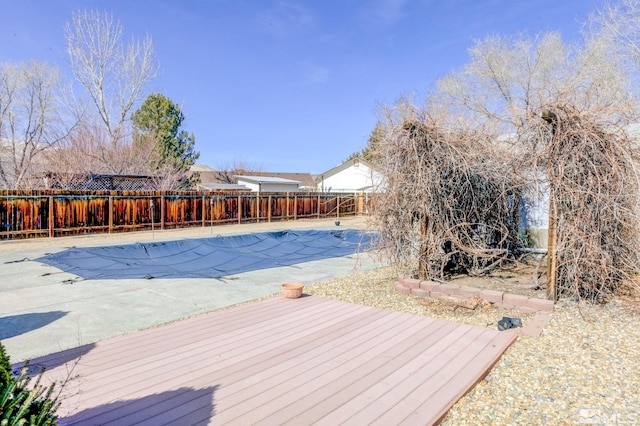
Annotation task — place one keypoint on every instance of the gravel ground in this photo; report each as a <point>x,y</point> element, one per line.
<point>583,368</point>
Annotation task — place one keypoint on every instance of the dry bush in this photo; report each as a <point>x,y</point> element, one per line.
<point>452,196</point>
<point>450,202</point>
<point>454,187</point>
<point>594,188</point>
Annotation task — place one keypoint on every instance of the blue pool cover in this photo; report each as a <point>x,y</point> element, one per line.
<point>208,257</point>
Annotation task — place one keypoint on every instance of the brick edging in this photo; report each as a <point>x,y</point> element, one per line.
<point>420,289</point>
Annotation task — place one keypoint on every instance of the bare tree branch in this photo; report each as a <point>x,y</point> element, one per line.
<point>114,75</point>
<point>32,120</point>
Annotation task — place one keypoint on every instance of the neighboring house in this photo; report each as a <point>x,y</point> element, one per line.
<point>355,175</point>
<point>307,183</point>
<point>269,183</point>
<point>221,187</point>
<point>206,173</point>
<point>210,176</point>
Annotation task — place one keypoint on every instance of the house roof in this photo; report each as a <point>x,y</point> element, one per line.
<point>201,168</point>
<point>221,187</point>
<point>210,175</point>
<point>304,179</point>
<point>343,166</point>
<point>267,179</point>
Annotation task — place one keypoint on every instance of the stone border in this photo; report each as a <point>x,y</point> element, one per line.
<point>500,299</point>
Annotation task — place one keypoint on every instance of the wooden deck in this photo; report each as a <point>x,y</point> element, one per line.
<point>279,361</point>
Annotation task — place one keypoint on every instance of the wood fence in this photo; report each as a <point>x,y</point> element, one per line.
<point>29,214</point>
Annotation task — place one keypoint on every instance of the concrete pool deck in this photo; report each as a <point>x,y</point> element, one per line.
<point>45,310</point>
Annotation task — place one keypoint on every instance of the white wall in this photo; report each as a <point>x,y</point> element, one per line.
<point>278,187</point>
<point>534,216</point>
<point>254,187</point>
<point>268,186</point>
<point>352,179</point>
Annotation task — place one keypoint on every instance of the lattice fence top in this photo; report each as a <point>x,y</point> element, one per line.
<point>102,182</point>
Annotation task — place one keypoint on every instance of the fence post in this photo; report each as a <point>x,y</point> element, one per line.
<point>162,212</point>
<point>110,213</point>
<point>318,214</point>
<point>239,209</point>
<point>269,209</point>
<point>258,207</point>
<point>204,212</point>
<point>134,213</point>
<point>338,207</point>
<point>51,218</point>
<point>295,207</point>
<point>287,204</point>
<point>211,211</point>
<point>360,204</point>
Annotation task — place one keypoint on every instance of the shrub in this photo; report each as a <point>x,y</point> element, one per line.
<point>23,402</point>
<point>5,366</point>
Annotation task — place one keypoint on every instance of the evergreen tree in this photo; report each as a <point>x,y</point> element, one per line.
<point>159,121</point>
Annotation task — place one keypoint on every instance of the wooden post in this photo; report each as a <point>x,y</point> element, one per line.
<point>318,214</point>
<point>134,212</point>
<point>269,209</point>
<point>258,207</point>
<point>86,212</point>
<point>287,207</point>
<point>552,261</point>
<point>338,207</point>
<point>217,207</point>
<point>162,212</point>
<point>360,204</point>
<point>204,211</point>
<point>153,219</point>
<point>52,222</point>
<point>239,209</point>
<point>295,206</point>
<point>110,213</point>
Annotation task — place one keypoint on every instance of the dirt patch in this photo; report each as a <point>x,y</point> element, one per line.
<point>526,277</point>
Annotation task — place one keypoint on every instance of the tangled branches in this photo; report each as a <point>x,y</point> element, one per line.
<point>452,199</point>
<point>448,206</point>
<point>592,172</point>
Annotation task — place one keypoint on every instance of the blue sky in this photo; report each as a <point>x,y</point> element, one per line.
<point>290,86</point>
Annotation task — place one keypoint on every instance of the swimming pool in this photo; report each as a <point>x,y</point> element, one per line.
<point>213,257</point>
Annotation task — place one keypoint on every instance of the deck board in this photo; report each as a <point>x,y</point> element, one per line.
<point>279,361</point>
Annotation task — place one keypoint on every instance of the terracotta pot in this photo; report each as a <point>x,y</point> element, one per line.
<point>292,290</point>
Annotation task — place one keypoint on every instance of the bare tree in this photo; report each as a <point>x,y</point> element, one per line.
<point>114,75</point>
<point>83,153</point>
<point>225,172</point>
<point>86,151</point>
<point>33,119</point>
<point>506,80</point>
<point>620,23</point>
